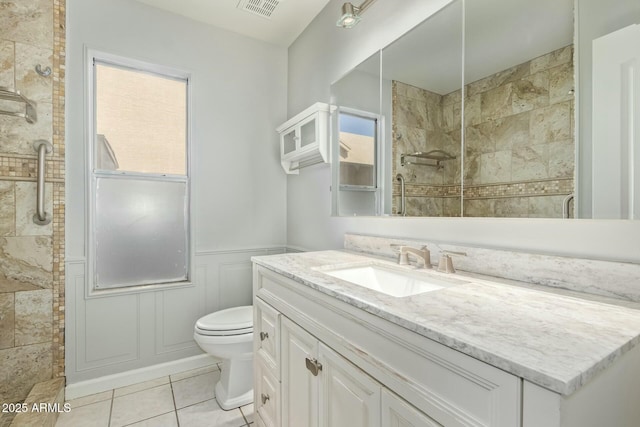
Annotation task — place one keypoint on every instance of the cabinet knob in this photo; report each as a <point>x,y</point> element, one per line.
<point>264,398</point>
<point>313,366</point>
<point>264,336</point>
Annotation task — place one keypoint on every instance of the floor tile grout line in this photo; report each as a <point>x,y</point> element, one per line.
<point>110,408</point>
<point>175,407</point>
<point>138,391</point>
<point>147,419</point>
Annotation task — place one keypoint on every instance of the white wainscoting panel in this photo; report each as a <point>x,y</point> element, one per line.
<point>112,333</point>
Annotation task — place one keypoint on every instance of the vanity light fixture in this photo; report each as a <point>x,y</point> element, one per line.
<point>351,14</point>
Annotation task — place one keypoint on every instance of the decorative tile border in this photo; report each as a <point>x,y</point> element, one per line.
<point>18,168</point>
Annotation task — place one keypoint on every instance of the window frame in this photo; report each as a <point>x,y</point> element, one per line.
<point>92,57</point>
<point>376,149</point>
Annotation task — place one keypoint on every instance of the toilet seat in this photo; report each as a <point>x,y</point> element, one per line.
<point>231,321</point>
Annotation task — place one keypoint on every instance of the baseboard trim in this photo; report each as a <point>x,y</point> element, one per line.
<point>134,376</point>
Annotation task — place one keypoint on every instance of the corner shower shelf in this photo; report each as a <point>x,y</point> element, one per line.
<point>15,96</point>
<point>437,156</point>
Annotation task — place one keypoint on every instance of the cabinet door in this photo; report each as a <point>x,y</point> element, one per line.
<point>288,142</point>
<point>299,385</point>
<point>398,413</point>
<point>267,394</point>
<point>348,396</point>
<point>266,333</point>
<point>308,131</point>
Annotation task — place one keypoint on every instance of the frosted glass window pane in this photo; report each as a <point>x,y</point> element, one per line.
<point>141,121</point>
<point>140,232</point>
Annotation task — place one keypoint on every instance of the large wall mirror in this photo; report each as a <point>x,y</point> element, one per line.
<point>475,111</point>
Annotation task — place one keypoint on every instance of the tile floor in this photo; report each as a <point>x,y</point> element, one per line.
<point>185,399</point>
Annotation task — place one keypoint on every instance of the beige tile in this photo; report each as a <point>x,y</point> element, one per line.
<point>28,259</point>
<point>7,58</point>
<point>452,98</point>
<point>511,207</point>
<point>94,414</point>
<point>478,208</point>
<point>141,405</point>
<point>34,317</point>
<point>508,132</point>
<point>496,103</point>
<point>28,365</point>
<point>26,193</point>
<point>551,124</point>
<point>92,398</point>
<point>552,59</point>
<point>530,163</point>
<point>31,84</point>
<point>247,411</point>
<point>495,167</point>
<point>28,22</point>
<point>208,414</point>
<point>561,84</point>
<point>195,389</point>
<point>7,209</point>
<point>451,206</point>
<point>545,207</point>
<point>7,320</point>
<point>169,419</point>
<point>530,93</point>
<point>194,372</point>
<point>472,110</point>
<point>17,136</point>
<point>562,159</point>
<point>502,78</point>
<point>140,386</point>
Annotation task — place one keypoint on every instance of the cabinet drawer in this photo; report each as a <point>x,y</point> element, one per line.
<point>397,412</point>
<point>267,396</point>
<point>266,333</point>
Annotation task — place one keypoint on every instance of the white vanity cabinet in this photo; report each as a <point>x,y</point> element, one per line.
<point>340,366</point>
<point>304,139</point>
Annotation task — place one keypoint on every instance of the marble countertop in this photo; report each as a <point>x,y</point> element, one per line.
<point>556,341</point>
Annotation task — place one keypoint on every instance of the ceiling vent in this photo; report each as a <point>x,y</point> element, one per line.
<point>262,8</point>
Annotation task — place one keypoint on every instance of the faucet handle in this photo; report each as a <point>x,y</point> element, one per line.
<point>446,263</point>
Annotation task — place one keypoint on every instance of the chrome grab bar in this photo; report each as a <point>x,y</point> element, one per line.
<point>403,206</point>
<point>565,205</point>
<point>42,147</point>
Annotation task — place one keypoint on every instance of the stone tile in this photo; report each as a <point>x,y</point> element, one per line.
<point>122,391</point>
<point>452,98</point>
<point>169,419</point>
<point>27,259</point>
<point>561,83</point>
<point>530,162</point>
<point>551,124</point>
<point>451,206</point>
<point>195,389</point>
<point>472,169</point>
<point>511,207</point>
<point>194,372</point>
<point>545,207</point>
<point>26,193</point>
<point>424,206</point>
<point>478,140</point>
<point>451,117</point>
<point>28,22</point>
<point>95,414</point>
<point>530,93</point>
<point>433,115</point>
<point>408,91</point>
<point>22,368</point>
<point>496,103</point>
<point>141,405</point>
<point>208,414</point>
<point>552,59</point>
<point>495,167</point>
<point>7,208</point>
<point>508,132</point>
<point>472,110</point>
<point>32,85</point>
<point>7,320</point>
<point>410,112</point>
<point>17,136</point>
<point>10,285</point>
<point>502,78</point>
<point>478,207</point>
<point>34,317</point>
<point>562,159</point>
<point>7,58</point>
<point>248,413</point>
<point>92,398</point>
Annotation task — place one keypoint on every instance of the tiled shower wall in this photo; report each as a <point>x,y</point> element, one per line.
<point>519,142</point>
<point>32,32</point>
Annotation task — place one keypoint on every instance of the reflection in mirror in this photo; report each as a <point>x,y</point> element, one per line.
<point>357,127</point>
<point>424,70</point>
<point>519,108</point>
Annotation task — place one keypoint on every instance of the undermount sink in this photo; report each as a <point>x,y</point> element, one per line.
<point>390,281</point>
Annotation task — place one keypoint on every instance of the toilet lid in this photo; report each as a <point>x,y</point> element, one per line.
<point>235,320</point>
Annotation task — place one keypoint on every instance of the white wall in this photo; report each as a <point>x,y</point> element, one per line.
<point>238,186</point>
<point>321,55</point>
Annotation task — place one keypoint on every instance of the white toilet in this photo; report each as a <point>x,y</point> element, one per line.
<point>228,335</point>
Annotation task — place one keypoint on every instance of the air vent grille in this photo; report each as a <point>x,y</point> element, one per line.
<point>264,8</point>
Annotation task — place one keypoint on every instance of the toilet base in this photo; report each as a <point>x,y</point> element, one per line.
<point>239,391</point>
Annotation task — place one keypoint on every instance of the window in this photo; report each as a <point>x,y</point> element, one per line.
<point>140,180</point>
<point>357,135</point>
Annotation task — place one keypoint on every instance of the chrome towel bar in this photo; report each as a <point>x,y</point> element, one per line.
<point>42,147</point>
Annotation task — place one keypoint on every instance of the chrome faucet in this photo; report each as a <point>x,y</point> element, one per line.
<point>422,254</point>
<point>446,263</point>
